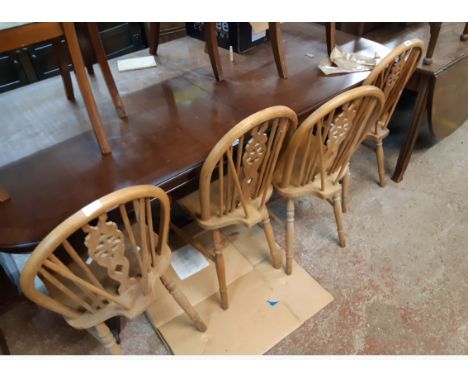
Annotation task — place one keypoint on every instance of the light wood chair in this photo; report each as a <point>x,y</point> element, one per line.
<point>118,268</point>
<point>236,181</point>
<point>391,76</point>
<point>317,156</point>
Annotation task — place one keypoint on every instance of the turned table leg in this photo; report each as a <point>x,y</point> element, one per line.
<point>408,145</point>
<point>153,37</point>
<point>4,196</point>
<point>115,326</point>
<point>85,88</point>
<point>274,31</point>
<point>63,69</point>
<point>213,52</point>
<point>464,35</point>
<point>435,29</point>
<point>331,36</point>
<point>105,69</point>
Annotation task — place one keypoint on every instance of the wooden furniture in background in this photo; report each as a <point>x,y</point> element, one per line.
<point>236,181</point>
<point>316,158</point>
<point>30,33</point>
<point>434,32</point>
<point>4,349</point>
<point>330,30</point>
<point>95,51</point>
<point>98,49</point>
<point>148,150</point>
<point>115,272</point>
<point>391,76</point>
<point>275,37</point>
<point>4,196</point>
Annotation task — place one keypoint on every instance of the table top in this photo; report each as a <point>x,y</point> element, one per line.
<point>448,51</point>
<point>5,26</point>
<point>172,126</point>
<point>20,34</point>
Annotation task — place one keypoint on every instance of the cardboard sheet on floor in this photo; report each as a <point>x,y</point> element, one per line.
<point>265,304</point>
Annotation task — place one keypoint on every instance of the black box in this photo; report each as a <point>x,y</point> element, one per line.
<point>240,36</point>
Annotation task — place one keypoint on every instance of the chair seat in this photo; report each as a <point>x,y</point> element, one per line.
<point>191,203</point>
<point>378,132</point>
<point>312,188</point>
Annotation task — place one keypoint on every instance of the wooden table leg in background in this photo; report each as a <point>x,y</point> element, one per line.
<point>153,37</point>
<point>464,35</point>
<point>274,31</point>
<point>85,44</point>
<point>330,30</point>
<point>408,145</point>
<point>4,350</point>
<point>4,196</point>
<point>435,29</point>
<point>115,326</point>
<point>105,69</point>
<point>85,88</point>
<point>212,47</point>
<point>64,71</point>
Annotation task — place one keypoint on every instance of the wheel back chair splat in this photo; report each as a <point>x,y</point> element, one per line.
<point>391,76</point>
<point>117,271</point>
<point>317,156</point>
<point>236,181</point>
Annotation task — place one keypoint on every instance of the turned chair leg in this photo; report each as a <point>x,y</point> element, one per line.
<point>220,268</point>
<point>270,237</point>
<point>289,235</point>
<point>345,191</point>
<point>380,162</point>
<point>183,302</point>
<point>105,337</point>
<point>339,219</point>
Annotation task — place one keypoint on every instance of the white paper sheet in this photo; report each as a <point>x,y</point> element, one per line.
<point>136,63</point>
<point>343,62</point>
<point>187,261</point>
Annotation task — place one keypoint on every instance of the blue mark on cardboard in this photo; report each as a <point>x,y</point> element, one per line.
<point>272,302</point>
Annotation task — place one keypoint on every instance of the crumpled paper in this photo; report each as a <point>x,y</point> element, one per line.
<point>341,62</point>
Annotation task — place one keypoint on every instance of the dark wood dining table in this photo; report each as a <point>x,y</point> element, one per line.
<point>20,34</point>
<point>172,126</point>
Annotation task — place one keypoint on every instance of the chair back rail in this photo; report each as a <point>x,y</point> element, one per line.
<point>117,258</point>
<point>323,144</point>
<point>392,74</point>
<point>244,161</point>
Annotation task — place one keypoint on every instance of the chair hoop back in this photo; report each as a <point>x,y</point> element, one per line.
<point>392,74</point>
<point>324,142</point>
<point>118,260</point>
<point>245,159</point>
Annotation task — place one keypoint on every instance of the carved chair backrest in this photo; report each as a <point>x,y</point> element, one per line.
<point>119,257</point>
<point>244,160</point>
<point>392,74</point>
<point>323,144</point>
